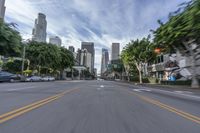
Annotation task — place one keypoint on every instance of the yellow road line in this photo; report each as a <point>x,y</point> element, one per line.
<point>30,105</point>
<point>172,108</point>
<point>12,114</point>
<point>169,108</point>
<point>26,110</point>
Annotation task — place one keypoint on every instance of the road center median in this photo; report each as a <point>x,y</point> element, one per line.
<point>20,111</point>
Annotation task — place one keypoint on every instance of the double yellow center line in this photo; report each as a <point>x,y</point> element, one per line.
<point>169,108</point>
<point>12,114</point>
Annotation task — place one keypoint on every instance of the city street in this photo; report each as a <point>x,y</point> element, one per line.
<point>96,107</point>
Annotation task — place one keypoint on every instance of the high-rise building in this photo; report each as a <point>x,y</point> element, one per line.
<point>86,58</point>
<point>90,48</point>
<point>55,40</point>
<point>104,60</point>
<point>78,57</point>
<point>95,72</point>
<point>2,9</point>
<point>72,49</point>
<point>115,51</point>
<point>39,30</point>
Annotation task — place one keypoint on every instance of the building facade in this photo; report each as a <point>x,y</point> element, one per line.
<point>90,48</point>
<point>2,9</point>
<point>95,72</point>
<point>86,58</point>
<point>115,51</point>
<point>72,49</point>
<point>172,65</point>
<point>104,60</point>
<point>39,33</point>
<point>78,57</point>
<point>55,40</point>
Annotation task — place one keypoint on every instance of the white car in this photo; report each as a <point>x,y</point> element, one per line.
<point>33,79</point>
<point>48,78</point>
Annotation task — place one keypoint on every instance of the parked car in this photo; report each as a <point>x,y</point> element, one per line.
<point>48,78</point>
<point>8,77</point>
<point>33,79</point>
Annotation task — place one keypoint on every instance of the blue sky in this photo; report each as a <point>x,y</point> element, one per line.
<point>99,21</point>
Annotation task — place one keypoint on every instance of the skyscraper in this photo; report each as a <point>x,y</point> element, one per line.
<point>86,58</point>
<point>104,60</point>
<point>115,51</point>
<point>90,48</point>
<point>2,9</point>
<point>78,57</point>
<point>55,40</point>
<point>39,30</point>
<point>72,49</point>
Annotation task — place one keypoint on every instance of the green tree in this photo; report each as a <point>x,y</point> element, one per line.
<point>138,53</point>
<point>66,60</point>
<point>14,66</point>
<point>1,63</point>
<point>43,55</point>
<point>127,63</point>
<point>86,73</point>
<point>182,32</point>
<point>10,40</point>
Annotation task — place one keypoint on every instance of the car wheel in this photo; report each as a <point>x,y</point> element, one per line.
<point>12,80</point>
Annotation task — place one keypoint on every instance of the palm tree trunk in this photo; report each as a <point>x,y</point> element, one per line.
<point>140,76</point>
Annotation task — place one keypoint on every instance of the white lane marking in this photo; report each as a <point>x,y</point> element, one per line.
<point>18,89</point>
<point>179,93</point>
<point>77,81</point>
<point>71,81</point>
<point>182,94</point>
<point>102,86</point>
<point>187,92</point>
<point>140,90</point>
<point>137,90</point>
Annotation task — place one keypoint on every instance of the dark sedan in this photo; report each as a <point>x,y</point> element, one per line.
<point>8,77</point>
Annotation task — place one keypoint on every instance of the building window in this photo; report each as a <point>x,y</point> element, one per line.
<point>161,58</point>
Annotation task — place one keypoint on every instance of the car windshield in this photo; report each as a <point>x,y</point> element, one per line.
<point>99,66</point>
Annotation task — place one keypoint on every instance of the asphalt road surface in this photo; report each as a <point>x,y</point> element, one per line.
<point>96,107</point>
